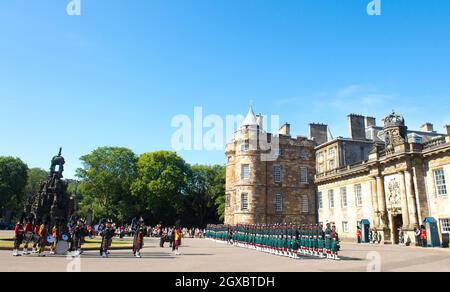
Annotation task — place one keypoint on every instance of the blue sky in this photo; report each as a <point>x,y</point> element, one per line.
<point>119,73</point>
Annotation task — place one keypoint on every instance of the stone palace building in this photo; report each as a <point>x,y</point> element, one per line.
<point>387,175</point>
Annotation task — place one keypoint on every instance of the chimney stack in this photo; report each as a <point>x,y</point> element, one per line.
<point>285,130</point>
<point>356,127</point>
<point>447,130</point>
<point>370,122</point>
<point>428,127</point>
<point>318,133</point>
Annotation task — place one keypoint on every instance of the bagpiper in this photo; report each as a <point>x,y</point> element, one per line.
<point>107,236</point>
<point>138,239</point>
<point>78,232</point>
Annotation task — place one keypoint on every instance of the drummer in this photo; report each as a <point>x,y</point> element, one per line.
<point>29,238</point>
<point>43,233</point>
<point>55,234</point>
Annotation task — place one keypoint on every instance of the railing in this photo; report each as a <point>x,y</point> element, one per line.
<point>435,142</point>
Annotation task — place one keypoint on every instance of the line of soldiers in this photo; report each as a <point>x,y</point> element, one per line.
<point>283,240</point>
<point>69,239</point>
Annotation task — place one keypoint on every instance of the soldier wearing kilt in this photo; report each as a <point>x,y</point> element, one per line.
<point>334,243</point>
<point>107,236</point>
<point>78,232</point>
<point>29,236</point>
<point>321,238</point>
<point>43,233</point>
<point>19,234</point>
<point>138,240</point>
<point>328,240</point>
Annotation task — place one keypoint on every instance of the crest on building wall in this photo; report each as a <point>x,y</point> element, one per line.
<point>393,192</point>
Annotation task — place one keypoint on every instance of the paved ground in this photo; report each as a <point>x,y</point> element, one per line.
<point>206,256</point>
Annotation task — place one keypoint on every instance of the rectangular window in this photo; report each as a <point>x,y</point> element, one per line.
<point>305,204</point>
<point>277,174</point>
<point>320,169</point>
<point>304,175</point>
<point>345,227</point>
<point>319,200</point>
<point>344,202</point>
<point>244,202</point>
<point>331,152</point>
<point>331,198</point>
<point>279,203</point>
<point>332,164</point>
<point>228,200</point>
<point>245,171</point>
<point>445,225</point>
<point>246,146</point>
<point>441,187</point>
<point>358,195</point>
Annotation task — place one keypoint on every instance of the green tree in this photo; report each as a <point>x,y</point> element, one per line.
<point>13,180</point>
<point>160,186</point>
<point>203,203</point>
<point>35,177</point>
<point>107,176</point>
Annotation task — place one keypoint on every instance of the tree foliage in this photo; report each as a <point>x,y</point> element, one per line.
<point>107,175</point>
<point>13,180</point>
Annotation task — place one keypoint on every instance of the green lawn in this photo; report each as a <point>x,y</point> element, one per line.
<point>8,242</point>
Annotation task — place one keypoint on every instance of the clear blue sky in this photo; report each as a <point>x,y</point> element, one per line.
<point>116,75</point>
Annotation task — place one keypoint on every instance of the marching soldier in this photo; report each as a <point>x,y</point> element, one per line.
<point>29,236</point>
<point>138,240</point>
<point>19,236</point>
<point>107,236</point>
<point>78,233</point>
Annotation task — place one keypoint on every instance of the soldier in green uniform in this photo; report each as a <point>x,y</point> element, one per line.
<point>328,240</point>
<point>334,243</point>
<point>321,239</point>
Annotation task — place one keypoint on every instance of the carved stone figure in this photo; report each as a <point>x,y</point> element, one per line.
<point>51,203</point>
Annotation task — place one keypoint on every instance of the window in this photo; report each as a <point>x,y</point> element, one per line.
<point>332,164</point>
<point>244,202</point>
<point>345,227</point>
<point>228,200</point>
<point>358,195</point>
<point>280,152</point>
<point>277,174</point>
<point>279,203</point>
<point>344,202</point>
<point>445,225</point>
<point>441,187</point>
<point>320,169</point>
<point>304,175</point>
<point>331,152</point>
<point>245,171</point>
<point>331,198</point>
<point>305,204</point>
<point>246,146</point>
<point>319,200</point>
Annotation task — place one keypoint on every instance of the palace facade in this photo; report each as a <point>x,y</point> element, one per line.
<point>386,175</point>
<point>389,176</point>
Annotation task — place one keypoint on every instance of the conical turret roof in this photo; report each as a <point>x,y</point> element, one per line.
<point>250,119</point>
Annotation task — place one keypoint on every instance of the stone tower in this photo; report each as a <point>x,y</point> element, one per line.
<point>270,178</point>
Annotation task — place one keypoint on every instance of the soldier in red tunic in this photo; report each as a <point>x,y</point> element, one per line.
<point>28,235</point>
<point>19,233</point>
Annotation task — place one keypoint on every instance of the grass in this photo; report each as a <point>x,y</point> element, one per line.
<point>8,242</point>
